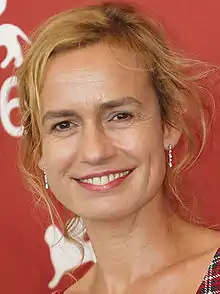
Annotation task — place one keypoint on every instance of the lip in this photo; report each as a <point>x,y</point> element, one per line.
<point>101,174</point>
<point>107,187</point>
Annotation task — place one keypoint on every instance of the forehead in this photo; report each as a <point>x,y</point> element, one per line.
<point>95,64</point>
<point>86,78</point>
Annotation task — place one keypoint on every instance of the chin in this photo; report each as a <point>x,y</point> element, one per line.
<point>109,211</point>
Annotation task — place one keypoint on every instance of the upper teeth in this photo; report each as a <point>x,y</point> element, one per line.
<point>104,179</point>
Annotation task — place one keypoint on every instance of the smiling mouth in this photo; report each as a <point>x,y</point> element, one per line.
<point>104,182</point>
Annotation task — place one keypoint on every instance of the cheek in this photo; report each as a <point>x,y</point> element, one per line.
<point>142,141</point>
<point>59,154</point>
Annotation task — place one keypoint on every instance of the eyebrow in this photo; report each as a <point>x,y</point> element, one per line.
<point>64,113</point>
<point>54,114</point>
<point>120,102</point>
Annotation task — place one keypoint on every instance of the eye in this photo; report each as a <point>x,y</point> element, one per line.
<point>122,116</point>
<point>63,126</point>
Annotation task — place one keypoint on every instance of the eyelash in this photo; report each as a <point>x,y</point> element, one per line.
<point>128,114</point>
<point>54,127</point>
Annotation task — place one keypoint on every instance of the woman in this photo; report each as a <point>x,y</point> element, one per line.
<point>104,101</point>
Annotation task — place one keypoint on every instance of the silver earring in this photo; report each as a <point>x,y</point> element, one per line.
<point>170,156</point>
<point>45,181</point>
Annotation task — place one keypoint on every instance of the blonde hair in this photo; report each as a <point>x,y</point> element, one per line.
<point>176,80</point>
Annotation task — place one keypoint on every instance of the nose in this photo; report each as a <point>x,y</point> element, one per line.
<point>95,147</point>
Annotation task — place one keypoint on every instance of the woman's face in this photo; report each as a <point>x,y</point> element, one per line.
<point>102,139</point>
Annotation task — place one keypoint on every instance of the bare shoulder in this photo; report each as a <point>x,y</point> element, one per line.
<point>83,285</point>
<point>210,238</point>
<point>68,291</point>
<point>202,239</point>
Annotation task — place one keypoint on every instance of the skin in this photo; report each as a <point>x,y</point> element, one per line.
<point>139,244</point>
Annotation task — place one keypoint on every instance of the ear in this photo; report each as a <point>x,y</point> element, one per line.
<point>170,136</point>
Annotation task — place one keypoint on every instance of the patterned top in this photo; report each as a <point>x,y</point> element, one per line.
<point>211,281</point>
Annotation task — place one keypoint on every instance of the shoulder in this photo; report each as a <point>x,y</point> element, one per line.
<point>212,276</point>
<point>84,284</point>
<point>74,292</point>
<point>69,291</point>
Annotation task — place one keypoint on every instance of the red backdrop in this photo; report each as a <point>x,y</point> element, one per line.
<point>25,260</point>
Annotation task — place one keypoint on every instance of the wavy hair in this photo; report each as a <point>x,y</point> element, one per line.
<point>178,82</point>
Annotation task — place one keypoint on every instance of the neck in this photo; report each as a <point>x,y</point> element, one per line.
<point>128,248</point>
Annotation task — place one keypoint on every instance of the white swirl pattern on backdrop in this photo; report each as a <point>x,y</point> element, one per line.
<point>64,254</point>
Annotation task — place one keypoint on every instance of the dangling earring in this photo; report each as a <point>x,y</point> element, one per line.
<point>170,156</point>
<point>45,181</point>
